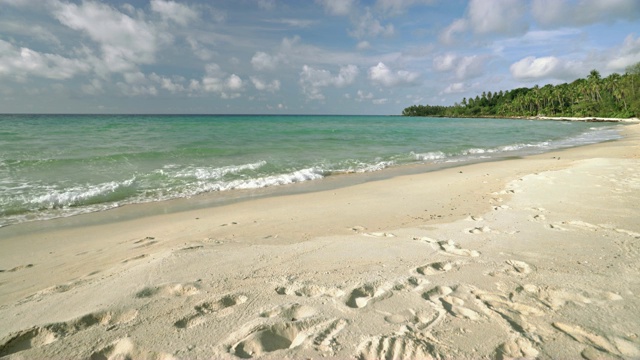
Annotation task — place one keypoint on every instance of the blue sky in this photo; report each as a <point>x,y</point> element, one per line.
<point>298,57</point>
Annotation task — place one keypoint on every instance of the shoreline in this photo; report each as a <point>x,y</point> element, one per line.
<point>529,249</point>
<point>633,120</point>
<point>586,119</point>
<point>119,212</point>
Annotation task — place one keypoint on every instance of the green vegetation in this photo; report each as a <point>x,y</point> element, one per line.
<point>615,96</point>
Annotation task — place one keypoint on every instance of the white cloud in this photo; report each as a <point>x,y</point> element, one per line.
<point>395,7</point>
<point>312,79</point>
<point>21,63</point>
<point>361,96</point>
<point>449,34</point>
<point>363,45</point>
<point>549,67</point>
<point>138,84</point>
<point>337,7</point>
<point>234,83</point>
<point>216,81</point>
<point>627,54</point>
<point>125,42</point>
<point>136,77</point>
<point>34,31</point>
<point>455,88</point>
<point>137,90</point>
<point>470,67</point>
<point>485,17</point>
<point>171,10</point>
<point>380,101</point>
<point>19,3</point>
<point>445,62</point>
<point>200,51</point>
<point>561,13</point>
<point>381,74</point>
<point>497,16</point>
<point>261,85</point>
<point>365,25</point>
<point>262,61</point>
<point>93,88</point>
<point>299,23</point>
<point>171,85</point>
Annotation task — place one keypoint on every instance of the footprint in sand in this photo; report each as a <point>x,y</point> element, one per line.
<point>258,340</point>
<point>556,227</point>
<point>412,283</point>
<point>422,320</point>
<point>109,319</point>
<point>56,289</point>
<point>169,290</point>
<point>515,313</point>
<point>585,337</point>
<point>325,340</point>
<point>125,349</point>
<point>499,301</point>
<point>516,349</point>
<point>538,218</point>
<point>426,240</point>
<point>437,292</point>
<point>364,294</point>
<point>38,336</point>
<point>480,230</point>
<point>556,298</point>
<point>516,267</point>
<point>451,300</point>
<point>18,268</point>
<point>588,226</point>
<point>435,268</point>
<point>449,247</point>
<point>309,290</point>
<point>292,312</point>
<point>380,234</point>
<point>220,308</point>
<point>148,241</point>
<point>404,316</point>
<point>26,339</point>
<point>400,346</point>
<point>456,307</point>
<point>507,192</point>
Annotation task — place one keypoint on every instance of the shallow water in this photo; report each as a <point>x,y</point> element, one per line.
<point>60,165</point>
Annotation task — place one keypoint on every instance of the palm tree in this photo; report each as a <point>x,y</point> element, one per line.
<point>594,85</point>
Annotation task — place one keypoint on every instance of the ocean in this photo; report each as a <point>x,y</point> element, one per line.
<point>61,165</point>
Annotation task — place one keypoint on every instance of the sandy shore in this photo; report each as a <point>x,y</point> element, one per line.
<point>590,118</point>
<point>534,257</point>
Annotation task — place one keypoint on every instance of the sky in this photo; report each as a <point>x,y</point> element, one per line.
<point>298,56</point>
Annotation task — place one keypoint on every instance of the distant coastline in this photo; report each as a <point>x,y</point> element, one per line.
<point>591,99</point>
<point>633,120</point>
<point>586,119</point>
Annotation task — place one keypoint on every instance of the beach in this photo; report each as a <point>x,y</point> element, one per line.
<point>533,256</point>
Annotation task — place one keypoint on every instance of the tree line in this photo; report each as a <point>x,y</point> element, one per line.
<point>616,96</point>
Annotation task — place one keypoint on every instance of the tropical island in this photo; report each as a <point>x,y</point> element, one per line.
<point>615,96</point>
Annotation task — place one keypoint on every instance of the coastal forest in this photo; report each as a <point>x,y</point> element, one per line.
<point>615,96</point>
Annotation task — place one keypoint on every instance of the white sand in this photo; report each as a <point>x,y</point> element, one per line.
<point>534,257</point>
<point>589,118</point>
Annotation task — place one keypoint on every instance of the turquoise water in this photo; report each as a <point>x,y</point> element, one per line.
<point>61,165</point>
